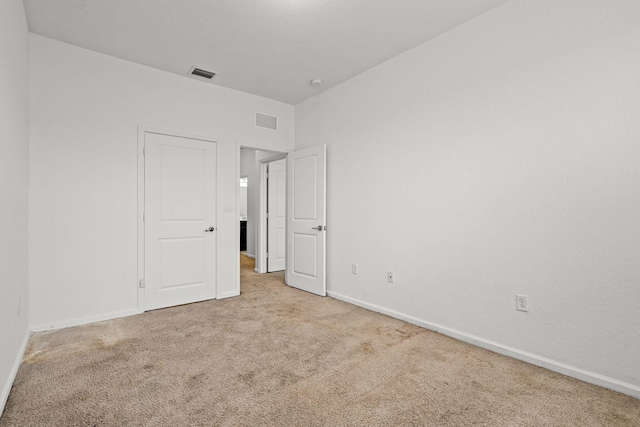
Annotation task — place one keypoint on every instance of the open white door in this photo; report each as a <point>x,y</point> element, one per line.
<point>277,215</point>
<point>180,219</point>
<point>306,224</point>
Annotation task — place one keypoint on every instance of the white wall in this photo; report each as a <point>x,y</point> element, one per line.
<point>85,110</point>
<point>499,158</point>
<point>14,181</point>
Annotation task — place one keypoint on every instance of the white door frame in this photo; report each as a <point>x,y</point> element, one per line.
<point>141,193</point>
<point>277,154</point>
<point>261,246</point>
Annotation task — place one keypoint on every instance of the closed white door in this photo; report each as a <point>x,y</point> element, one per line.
<point>180,220</point>
<point>277,215</point>
<point>306,226</point>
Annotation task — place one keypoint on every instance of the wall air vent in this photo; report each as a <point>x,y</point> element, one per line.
<point>200,73</point>
<point>266,121</point>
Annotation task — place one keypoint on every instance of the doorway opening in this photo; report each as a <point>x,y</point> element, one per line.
<point>262,211</point>
<point>305,215</point>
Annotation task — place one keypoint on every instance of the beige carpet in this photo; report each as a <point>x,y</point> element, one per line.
<point>283,357</point>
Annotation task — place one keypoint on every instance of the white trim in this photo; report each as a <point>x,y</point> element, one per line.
<point>236,210</point>
<point>83,320</point>
<point>262,232</point>
<point>261,226</point>
<point>534,359</point>
<point>6,389</point>
<point>239,175</point>
<point>275,158</point>
<point>228,294</point>
<point>253,145</point>
<point>140,195</point>
<point>252,256</point>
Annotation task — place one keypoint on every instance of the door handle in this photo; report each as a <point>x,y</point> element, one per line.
<point>209,230</point>
<point>319,228</point>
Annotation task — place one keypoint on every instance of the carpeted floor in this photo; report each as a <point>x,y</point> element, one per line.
<point>276,356</point>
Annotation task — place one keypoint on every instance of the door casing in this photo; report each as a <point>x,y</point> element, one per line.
<point>261,246</point>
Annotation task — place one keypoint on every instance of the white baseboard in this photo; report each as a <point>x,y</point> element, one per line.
<point>6,388</point>
<point>83,320</point>
<point>228,295</point>
<point>534,359</point>
<point>251,256</point>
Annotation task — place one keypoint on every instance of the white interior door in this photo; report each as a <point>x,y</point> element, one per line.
<point>180,219</point>
<point>277,215</point>
<point>306,226</point>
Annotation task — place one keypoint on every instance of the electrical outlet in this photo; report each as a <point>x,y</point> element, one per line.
<point>390,276</point>
<point>354,268</point>
<point>521,303</point>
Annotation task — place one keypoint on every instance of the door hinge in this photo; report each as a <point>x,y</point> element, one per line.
<point>141,283</point>
<point>267,256</point>
<point>267,215</point>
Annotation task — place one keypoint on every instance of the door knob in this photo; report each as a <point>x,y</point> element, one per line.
<point>319,228</point>
<point>209,230</point>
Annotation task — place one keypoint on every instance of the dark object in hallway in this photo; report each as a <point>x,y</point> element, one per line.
<point>243,235</point>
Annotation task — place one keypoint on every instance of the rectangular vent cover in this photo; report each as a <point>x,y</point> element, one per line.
<point>199,72</point>
<point>266,121</point>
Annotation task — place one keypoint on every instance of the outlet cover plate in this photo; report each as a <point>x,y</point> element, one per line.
<point>522,303</point>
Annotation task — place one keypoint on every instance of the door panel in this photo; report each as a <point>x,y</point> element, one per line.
<point>281,244</point>
<point>305,192</point>
<point>304,244</point>
<point>180,201</point>
<point>306,227</point>
<point>277,220</point>
<point>182,263</point>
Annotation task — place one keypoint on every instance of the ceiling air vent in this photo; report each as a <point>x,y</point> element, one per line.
<point>203,74</point>
<point>266,121</point>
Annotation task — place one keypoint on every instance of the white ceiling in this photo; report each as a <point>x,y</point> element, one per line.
<point>271,48</point>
